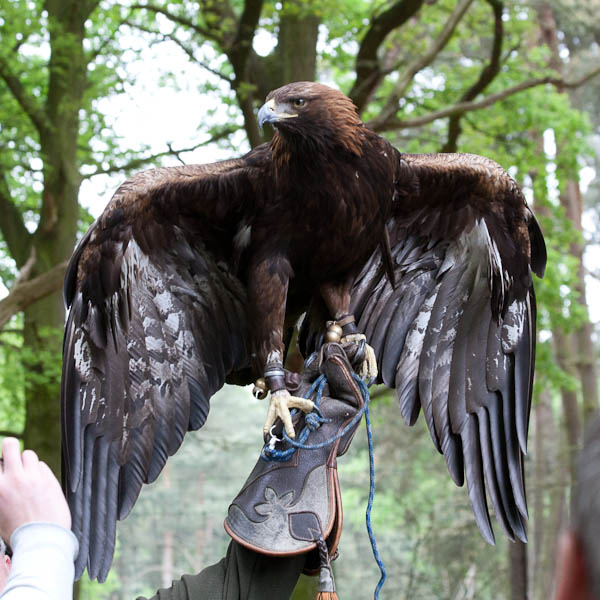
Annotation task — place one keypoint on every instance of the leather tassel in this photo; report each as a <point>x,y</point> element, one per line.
<point>326,588</point>
<point>327,596</point>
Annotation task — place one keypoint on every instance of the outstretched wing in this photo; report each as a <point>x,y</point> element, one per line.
<point>156,324</point>
<point>456,336</point>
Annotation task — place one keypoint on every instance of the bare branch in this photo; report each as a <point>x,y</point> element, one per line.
<point>26,102</point>
<point>137,163</point>
<point>368,68</point>
<point>220,15</point>
<point>104,43</point>
<point>23,293</point>
<point>391,106</point>
<point>393,124</point>
<point>178,19</point>
<point>595,273</point>
<point>487,75</point>
<point>561,83</point>
<point>162,38</point>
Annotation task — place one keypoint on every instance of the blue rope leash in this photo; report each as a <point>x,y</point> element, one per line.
<point>365,392</point>
<point>313,421</point>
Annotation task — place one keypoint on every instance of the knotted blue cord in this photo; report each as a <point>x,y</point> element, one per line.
<point>313,421</point>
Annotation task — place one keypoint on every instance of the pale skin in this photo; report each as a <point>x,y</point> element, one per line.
<point>4,570</point>
<point>29,491</point>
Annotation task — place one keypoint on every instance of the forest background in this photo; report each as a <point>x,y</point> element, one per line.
<point>94,90</point>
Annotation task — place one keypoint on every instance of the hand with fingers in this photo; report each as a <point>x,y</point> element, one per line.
<point>29,491</point>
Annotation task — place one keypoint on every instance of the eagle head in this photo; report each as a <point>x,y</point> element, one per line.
<point>308,113</point>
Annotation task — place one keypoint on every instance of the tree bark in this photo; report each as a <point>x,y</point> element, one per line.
<point>518,570</point>
<point>585,352</point>
<point>564,352</point>
<point>545,463</point>
<point>54,239</point>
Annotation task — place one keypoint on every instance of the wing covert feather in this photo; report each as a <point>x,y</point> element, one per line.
<point>456,337</point>
<point>156,323</point>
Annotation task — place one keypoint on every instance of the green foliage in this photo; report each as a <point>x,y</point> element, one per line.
<point>42,364</point>
<point>92,590</point>
<point>12,377</point>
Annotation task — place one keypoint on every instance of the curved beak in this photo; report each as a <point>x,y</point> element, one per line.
<point>274,113</point>
<point>267,113</point>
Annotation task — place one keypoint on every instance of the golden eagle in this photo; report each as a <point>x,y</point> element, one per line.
<point>194,276</point>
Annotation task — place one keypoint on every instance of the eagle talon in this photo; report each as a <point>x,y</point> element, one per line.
<point>281,403</point>
<point>368,369</point>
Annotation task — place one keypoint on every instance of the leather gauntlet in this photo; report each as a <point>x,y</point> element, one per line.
<point>290,506</point>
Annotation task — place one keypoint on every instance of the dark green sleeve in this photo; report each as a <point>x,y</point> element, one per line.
<point>241,575</point>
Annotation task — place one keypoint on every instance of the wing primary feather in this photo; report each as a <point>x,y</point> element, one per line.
<point>398,323</point>
<point>83,504</point>
<point>537,244</point>
<point>487,453</point>
<point>448,300</point>
<point>455,309</point>
<point>107,548</point>
<point>71,411</point>
<point>474,475</point>
<point>407,373</point>
<point>500,458</point>
<point>98,513</point>
<point>515,340</point>
<point>133,472</point>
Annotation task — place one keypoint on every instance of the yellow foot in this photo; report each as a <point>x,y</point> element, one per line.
<point>368,369</point>
<point>281,403</point>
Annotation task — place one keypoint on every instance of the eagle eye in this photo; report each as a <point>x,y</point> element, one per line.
<point>298,102</point>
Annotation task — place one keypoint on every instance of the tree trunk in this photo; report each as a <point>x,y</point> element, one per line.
<point>297,44</point>
<point>517,552</point>
<point>564,349</point>
<point>294,59</point>
<point>585,353</point>
<point>55,236</point>
<point>544,463</point>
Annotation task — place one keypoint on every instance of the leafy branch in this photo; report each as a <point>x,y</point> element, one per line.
<point>392,123</point>
<point>35,113</point>
<point>487,75</point>
<point>369,71</point>
<point>391,106</point>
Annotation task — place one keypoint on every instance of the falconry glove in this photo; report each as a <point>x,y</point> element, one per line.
<point>291,502</point>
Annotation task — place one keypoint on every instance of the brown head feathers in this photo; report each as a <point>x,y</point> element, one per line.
<point>311,114</point>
